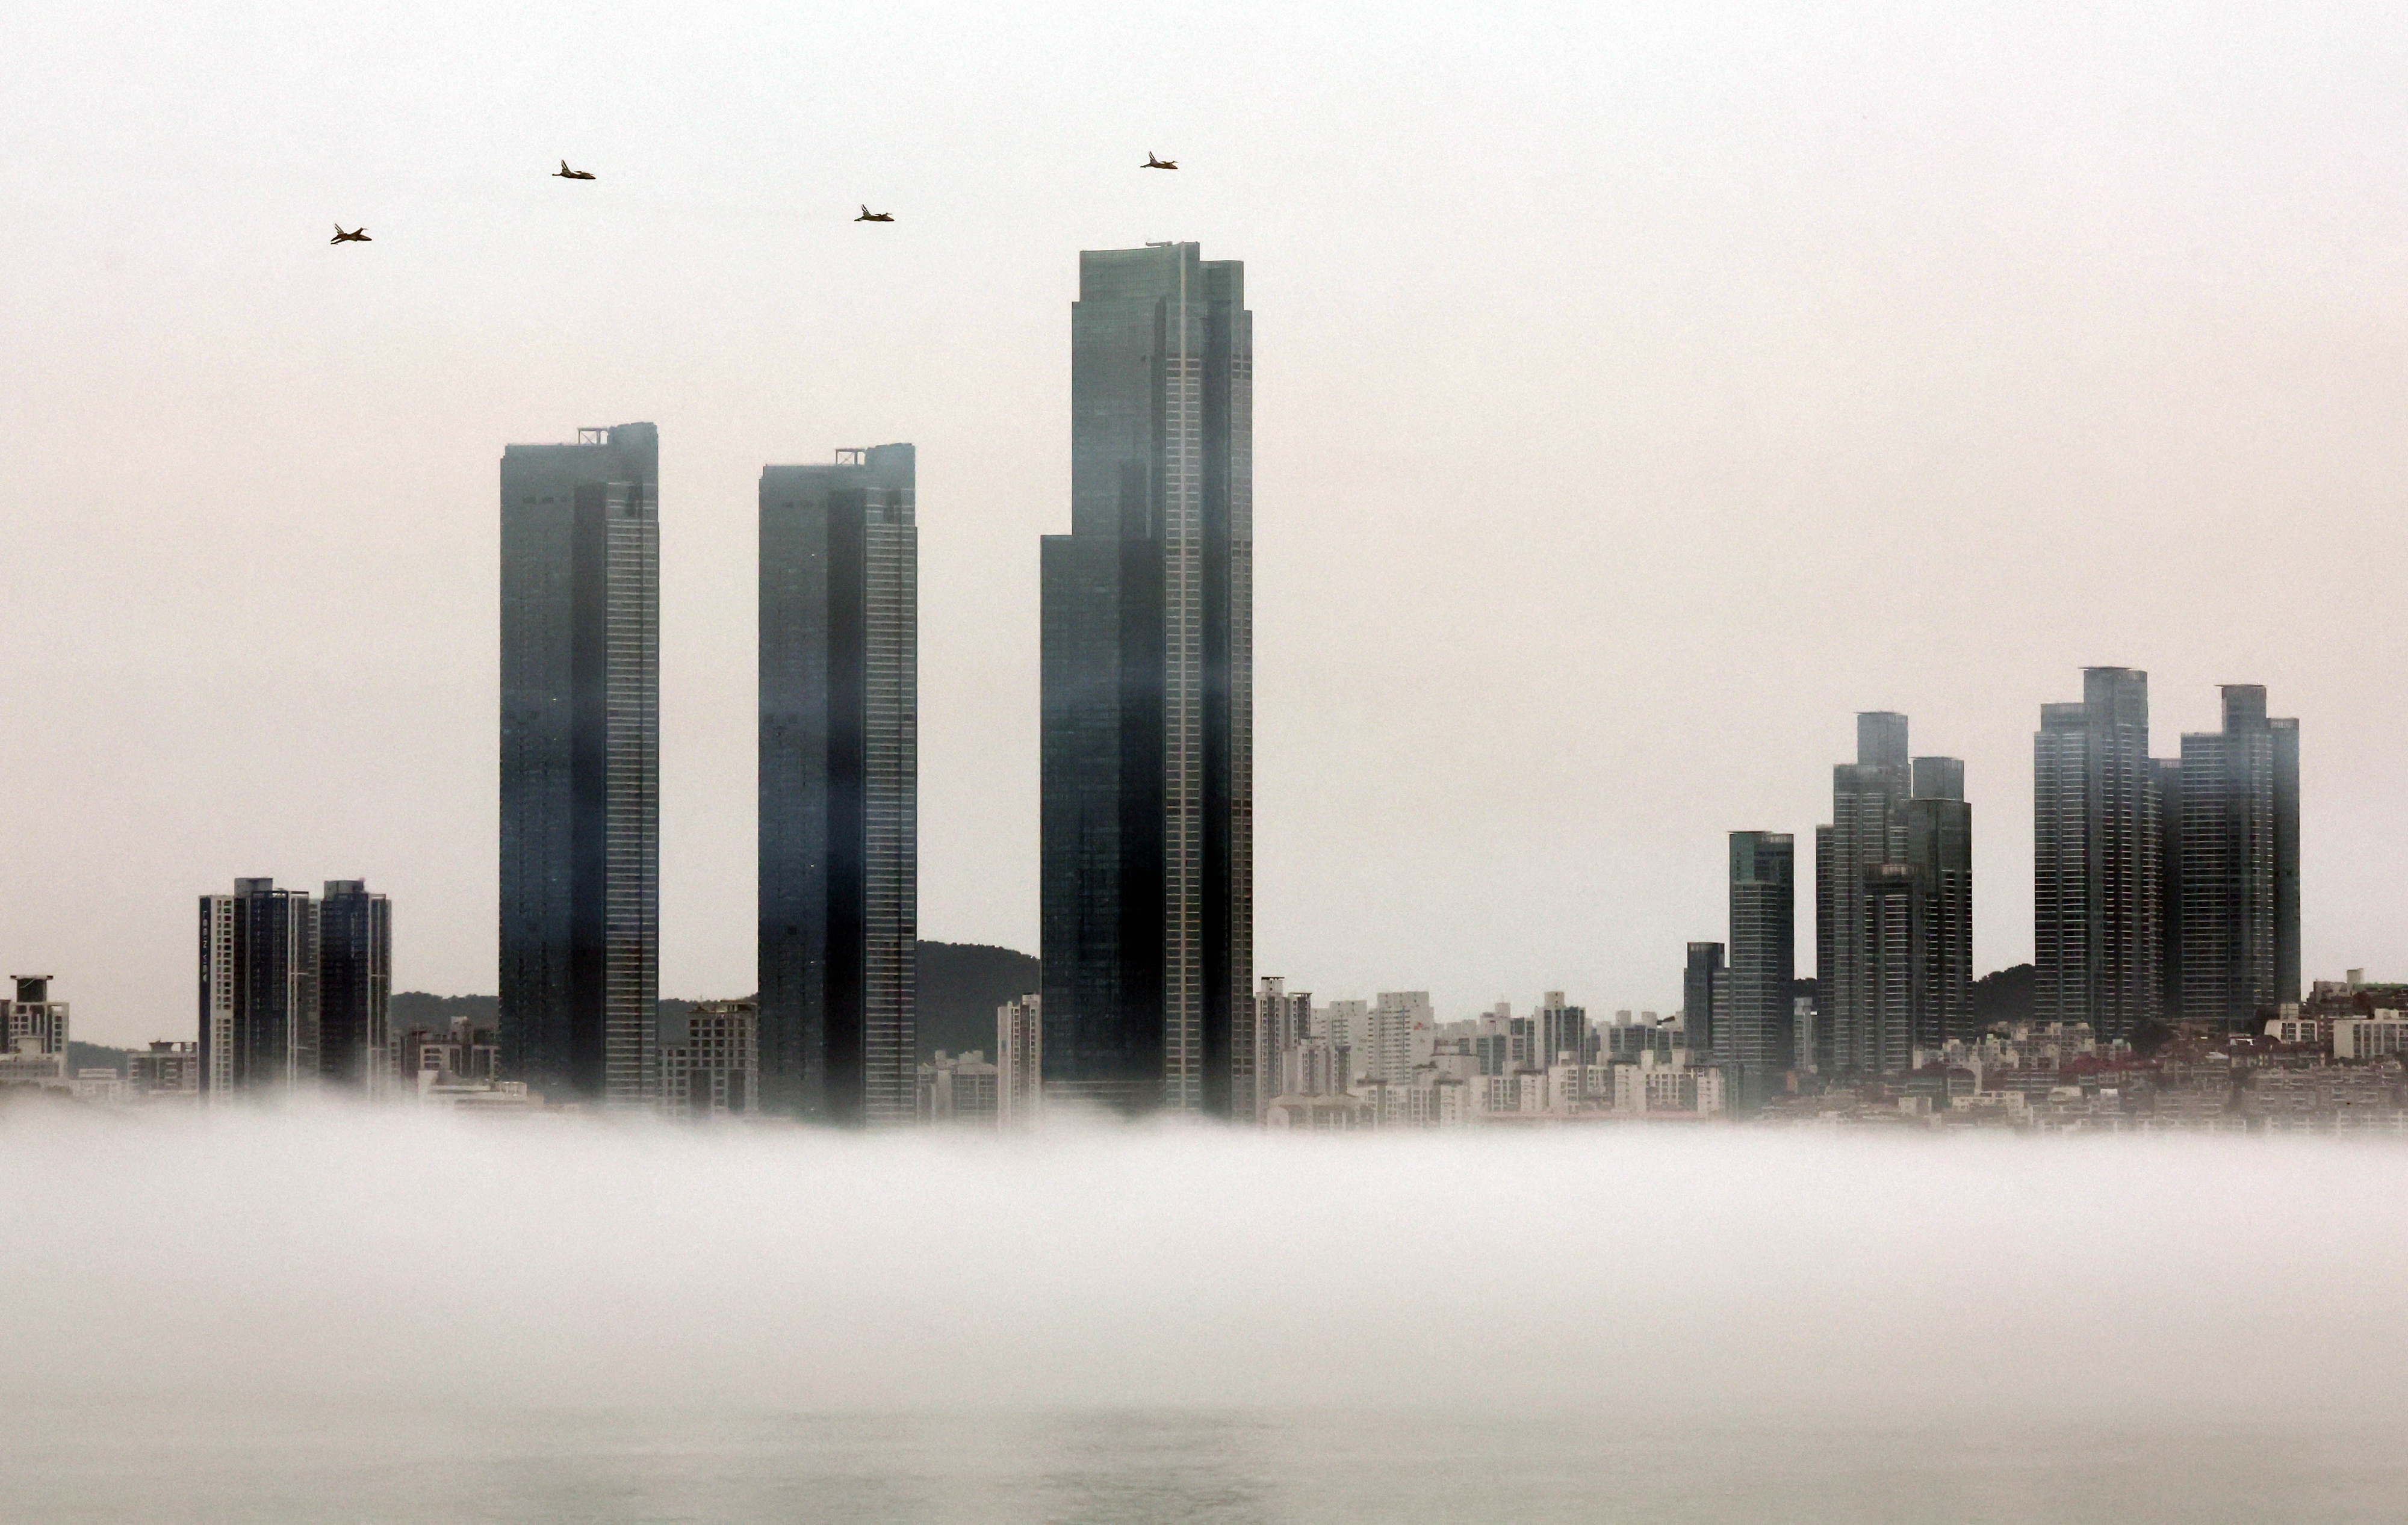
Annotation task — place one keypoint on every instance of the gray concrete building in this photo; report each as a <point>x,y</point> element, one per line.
<point>839,860</point>
<point>579,844</point>
<point>1146,680</point>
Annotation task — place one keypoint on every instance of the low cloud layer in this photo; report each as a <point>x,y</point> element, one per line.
<point>407,1258</point>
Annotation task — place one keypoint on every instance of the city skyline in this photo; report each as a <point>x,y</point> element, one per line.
<point>1745,693</point>
<point>1659,334</point>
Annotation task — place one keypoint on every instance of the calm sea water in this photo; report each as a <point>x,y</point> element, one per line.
<point>161,1462</point>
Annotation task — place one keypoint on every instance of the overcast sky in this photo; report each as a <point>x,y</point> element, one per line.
<point>1641,392</point>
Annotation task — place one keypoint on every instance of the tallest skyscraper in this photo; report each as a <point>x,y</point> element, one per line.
<point>581,798</point>
<point>1148,692</point>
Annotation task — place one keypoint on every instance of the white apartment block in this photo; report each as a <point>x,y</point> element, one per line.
<point>1401,1029</point>
<point>959,1089</point>
<point>2361,1038</point>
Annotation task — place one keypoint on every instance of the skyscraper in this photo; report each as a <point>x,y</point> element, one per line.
<point>840,787</point>
<point>2235,940</point>
<point>259,989</point>
<point>1147,754</point>
<point>1752,1026</point>
<point>1020,1062</point>
<point>580,764</point>
<point>1868,806</point>
<point>2096,865</point>
<point>355,984</point>
<point>1939,856</point>
<point>1893,905</point>
<point>1282,1019</point>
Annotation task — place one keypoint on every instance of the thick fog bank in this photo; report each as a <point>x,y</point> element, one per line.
<point>395,1256</point>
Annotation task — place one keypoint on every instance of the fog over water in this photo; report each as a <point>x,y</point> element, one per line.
<point>392,1257</point>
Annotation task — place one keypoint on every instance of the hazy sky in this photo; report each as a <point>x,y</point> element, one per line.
<point>1641,392</point>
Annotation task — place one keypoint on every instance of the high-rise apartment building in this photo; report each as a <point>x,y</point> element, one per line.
<point>1147,754</point>
<point>839,908</point>
<point>1399,1030</point>
<point>2097,860</point>
<point>1940,858</point>
<point>1018,1062</point>
<point>354,985</point>
<point>2233,932</point>
<point>1868,797</point>
<point>1893,907</point>
<point>1564,1029</point>
<point>1282,1021</point>
<point>258,989</point>
<point>1752,1025</point>
<point>579,850</point>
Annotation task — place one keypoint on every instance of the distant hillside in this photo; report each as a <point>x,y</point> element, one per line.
<point>2003,996</point>
<point>84,1056</point>
<point>960,985</point>
<point>416,1008</point>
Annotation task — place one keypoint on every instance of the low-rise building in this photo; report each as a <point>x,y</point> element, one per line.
<point>1657,1087</point>
<point>2358,1039</point>
<point>26,1064</point>
<point>959,1089</point>
<point>711,1060</point>
<point>167,1069</point>
<point>434,1088</point>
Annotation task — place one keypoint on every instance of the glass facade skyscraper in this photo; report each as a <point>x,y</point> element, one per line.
<point>2098,863</point>
<point>1753,1036</point>
<point>840,787</point>
<point>1148,693</point>
<point>2234,926</point>
<point>1893,905</point>
<point>579,850</point>
<point>355,984</point>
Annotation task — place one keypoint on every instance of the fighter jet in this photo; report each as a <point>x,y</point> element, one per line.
<point>869,216</point>
<point>1152,163</point>
<point>358,235</point>
<point>568,174</point>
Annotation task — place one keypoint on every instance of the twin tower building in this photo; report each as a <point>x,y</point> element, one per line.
<point>1147,738</point>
